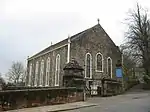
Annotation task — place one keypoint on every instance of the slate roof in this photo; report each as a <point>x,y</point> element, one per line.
<point>65,41</point>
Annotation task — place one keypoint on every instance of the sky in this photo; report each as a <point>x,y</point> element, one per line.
<point>29,26</point>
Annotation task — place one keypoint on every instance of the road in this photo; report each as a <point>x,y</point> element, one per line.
<point>135,100</point>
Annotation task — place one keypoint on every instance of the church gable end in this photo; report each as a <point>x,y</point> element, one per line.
<point>95,41</point>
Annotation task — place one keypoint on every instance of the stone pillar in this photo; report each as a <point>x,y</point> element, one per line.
<point>73,76</point>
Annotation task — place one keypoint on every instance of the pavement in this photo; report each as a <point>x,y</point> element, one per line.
<point>57,108</point>
<point>134,100</point>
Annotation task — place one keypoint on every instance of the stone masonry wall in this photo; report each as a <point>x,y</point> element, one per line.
<point>16,99</point>
<point>93,41</point>
<point>63,59</point>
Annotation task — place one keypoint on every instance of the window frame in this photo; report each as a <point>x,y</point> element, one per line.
<point>110,66</point>
<point>36,73</point>
<point>57,70</point>
<point>90,65</point>
<point>101,61</point>
<point>47,71</point>
<point>30,74</point>
<point>41,73</point>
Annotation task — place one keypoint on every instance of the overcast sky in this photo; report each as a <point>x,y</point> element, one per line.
<point>28,26</point>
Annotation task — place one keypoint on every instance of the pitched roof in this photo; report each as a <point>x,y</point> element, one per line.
<point>65,41</point>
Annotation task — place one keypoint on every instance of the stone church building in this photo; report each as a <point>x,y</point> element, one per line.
<point>93,49</point>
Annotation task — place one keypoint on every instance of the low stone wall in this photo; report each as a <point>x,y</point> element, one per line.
<point>131,83</point>
<point>23,98</point>
<point>111,87</point>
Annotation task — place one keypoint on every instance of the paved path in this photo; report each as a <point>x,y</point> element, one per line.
<point>56,108</point>
<point>135,100</point>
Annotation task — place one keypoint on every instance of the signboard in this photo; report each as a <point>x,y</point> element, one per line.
<point>119,72</point>
<point>93,90</point>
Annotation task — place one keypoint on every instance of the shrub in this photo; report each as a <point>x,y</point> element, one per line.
<point>146,79</point>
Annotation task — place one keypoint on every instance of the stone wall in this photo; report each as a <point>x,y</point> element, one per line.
<point>52,55</point>
<point>95,40</point>
<point>111,87</point>
<point>22,98</point>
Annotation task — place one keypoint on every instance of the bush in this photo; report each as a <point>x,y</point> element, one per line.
<point>146,79</point>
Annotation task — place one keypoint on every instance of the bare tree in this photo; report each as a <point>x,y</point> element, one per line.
<point>128,61</point>
<point>138,37</point>
<point>16,72</point>
<point>2,81</point>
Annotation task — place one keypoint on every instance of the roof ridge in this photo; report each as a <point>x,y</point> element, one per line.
<point>72,38</point>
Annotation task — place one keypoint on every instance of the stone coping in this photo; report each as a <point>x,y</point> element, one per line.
<point>38,89</point>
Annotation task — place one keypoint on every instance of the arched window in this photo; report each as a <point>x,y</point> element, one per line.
<point>41,73</point>
<point>47,72</point>
<point>88,66</point>
<point>109,66</point>
<point>57,70</point>
<point>36,73</point>
<point>99,62</point>
<point>30,75</point>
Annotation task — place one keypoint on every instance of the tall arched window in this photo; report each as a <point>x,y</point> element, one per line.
<point>109,66</point>
<point>41,73</point>
<point>99,62</point>
<point>88,66</point>
<point>36,73</point>
<point>57,70</point>
<point>47,72</point>
<point>30,75</point>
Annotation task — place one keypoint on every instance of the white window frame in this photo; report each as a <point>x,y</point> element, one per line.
<point>30,75</point>
<point>36,73</point>
<point>47,72</point>
<point>111,66</point>
<point>57,70</point>
<point>102,62</point>
<point>90,65</point>
<point>41,73</point>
